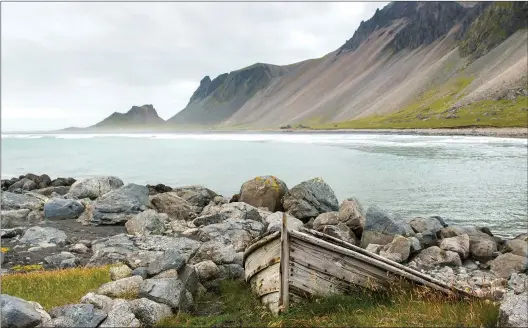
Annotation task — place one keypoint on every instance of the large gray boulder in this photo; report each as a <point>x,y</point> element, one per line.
<point>149,312</point>
<point>263,191</point>
<point>170,259</point>
<point>458,244</point>
<point>217,252</point>
<point>207,270</point>
<point>147,222</point>
<point>120,205</point>
<point>173,205</point>
<point>94,187</point>
<point>111,250</point>
<point>40,235</point>
<point>62,209</point>
<point>14,218</point>
<point>142,258</point>
<point>513,311</point>
<point>198,196</point>
<point>12,201</point>
<point>481,245</point>
<point>309,199</point>
<point>274,221</point>
<point>23,184</point>
<point>324,219</point>
<point>506,264</point>
<point>420,225</point>
<point>101,302</point>
<point>434,256</point>
<point>61,260</point>
<point>352,214</point>
<point>169,291</point>
<point>340,231</point>
<point>18,313</point>
<point>517,247</point>
<point>77,315</point>
<point>125,287</point>
<point>120,315</point>
<point>48,191</point>
<point>381,227</point>
<point>398,250</point>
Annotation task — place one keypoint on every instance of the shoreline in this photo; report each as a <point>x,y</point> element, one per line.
<point>514,132</point>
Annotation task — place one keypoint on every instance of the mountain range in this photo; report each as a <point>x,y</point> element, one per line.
<point>413,64</point>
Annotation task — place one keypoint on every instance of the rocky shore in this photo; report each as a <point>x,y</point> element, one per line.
<point>170,243</point>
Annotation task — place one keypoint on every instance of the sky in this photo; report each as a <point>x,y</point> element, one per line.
<point>73,64</point>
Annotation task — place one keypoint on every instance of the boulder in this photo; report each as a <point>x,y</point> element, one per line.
<point>340,231</point>
<point>39,235</point>
<point>176,207</point>
<point>263,191</point>
<point>506,264</point>
<point>147,222</point>
<point>513,311</point>
<point>207,270</point>
<point>149,312</point>
<point>398,250</point>
<point>171,273</point>
<point>62,209</point>
<point>12,201</point>
<point>101,302</point>
<point>18,313</point>
<point>169,291</point>
<point>120,205</point>
<point>324,219</point>
<point>77,315</point>
<point>189,276</point>
<point>274,221</point>
<point>170,259</point>
<point>95,187</point>
<point>140,271</point>
<point>185,246</point>
<point>517,247</point>
<point>427,239</point>
<point>12,232</point>
<point>309,199</point>
<point>48,191</point>
<point>415,245</point>
<point>216,252</point>
<point>518,282</point>
<point>125,287</point>
<point>435,256</point>
<point>111,250</point>
<point>202,220</point>
<point>482,249</point>
<point>14,218</point>
<point>458,244</point>
<point>420,225</point>
<point>141,258</point>
<point>381,227</point>
<point>62,182</point>
<point>120,272</point>
<point>61,260</point>
<point>120,315</point>
<point>351,213</point>
<point>79,249</point>
<point>374,248</point>
<point>198,196</point>
<point>24,184</point>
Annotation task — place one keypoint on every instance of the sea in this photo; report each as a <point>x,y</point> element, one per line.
<point>466,180</point>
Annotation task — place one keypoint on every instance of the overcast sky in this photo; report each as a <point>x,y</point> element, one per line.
<point>73,64</point>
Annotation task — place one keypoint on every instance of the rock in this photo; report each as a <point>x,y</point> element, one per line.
<point>415,245</point>
<point>122,287</point>
<point>120,205</point>
<point>189,276</point>
<point>87,243</point>
<point>147,222</point>
<point>77,315</point>
<point>120,272</point>
<point>95,187</point>
<point>204,220</point>
<point>374,248</point>
<point>351,213</point>
<point>381,227</point>
<point>506,264</point>
<point>102,302</point>
<point>44,316</point>
<point>141,271</point>
<point>61,260</point>
<point>13,232</point>
<point>185,246</point>
<point>198,196</point>
<point>275,222</point>
<point>435,256</point>
<point>142,258</point>
<point>458,244</point>
<point>231,271</point>
<point>169,291</point>
<point>523,236</point>
<point>39,235</point>
<point>120,315</point>
<point>14,218</point>
<point>207,270</point>
<point>518,282</point>
<point>171,273</point>
<point>427,239</point>
<point>79,249</point>
<point>517,247</point>
<point>158,189</point>
<point>111,250</point>
<point>263,191</point>
<point>62,209</point>
<point>12,201</point>
<point>398,250</point>
<point>62,182</point>
<point>420,225</point>
<point>513,311</point>
<point>176,207</point>
<point>48,191</point>
<point>470,265</point>
<point>17,312</point>
<point>149,312</point>
<point>216,252</point>
<point>35,217</point>
<point>24,184</point>
<point>171,259</point>
<point>309,199</point>
<point>324,219</point>
<point>482,249</point>
<point>340,231</point>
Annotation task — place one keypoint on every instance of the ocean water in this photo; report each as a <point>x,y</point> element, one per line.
<point>466,180</point>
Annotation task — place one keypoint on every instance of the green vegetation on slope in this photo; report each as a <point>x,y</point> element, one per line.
<point>235,306</point>
<point>57,287</point>
<point>436,109</point>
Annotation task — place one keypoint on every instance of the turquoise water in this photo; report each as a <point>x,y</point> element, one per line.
<point>467,180</point>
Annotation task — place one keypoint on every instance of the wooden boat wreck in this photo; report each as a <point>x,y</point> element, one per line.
<point>289,265</point>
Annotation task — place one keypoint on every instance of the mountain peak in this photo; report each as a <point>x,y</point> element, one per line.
<point>137,115</point>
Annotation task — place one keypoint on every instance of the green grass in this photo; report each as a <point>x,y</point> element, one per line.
<point>236,306</point>
<point>57,287</point>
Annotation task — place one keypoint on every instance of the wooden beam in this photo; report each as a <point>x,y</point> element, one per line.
<point>284,293</point>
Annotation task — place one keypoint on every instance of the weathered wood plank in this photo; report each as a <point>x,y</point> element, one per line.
<point>284,292</point>
<point>262,241</point>
<point>266,281</point>
<point>261,258</point>
<point>315,282</point>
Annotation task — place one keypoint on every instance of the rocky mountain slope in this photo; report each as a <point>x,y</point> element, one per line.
<point>439,63</point>
<point>144,115</point>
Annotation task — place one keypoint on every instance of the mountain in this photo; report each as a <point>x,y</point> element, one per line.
<point>413,64</point>
<point>137,116</point>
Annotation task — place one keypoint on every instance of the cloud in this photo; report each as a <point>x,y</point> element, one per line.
<point>75,63</point>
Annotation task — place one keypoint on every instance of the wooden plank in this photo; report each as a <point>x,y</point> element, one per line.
<point>316,283</point>
<point>266,281</point>
<point>261,258</point>
<point>382,265</point>
<point>284,293</point>
<point>262,241</point>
